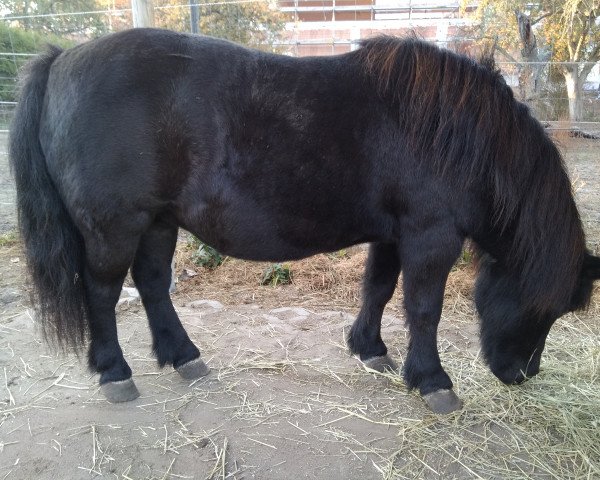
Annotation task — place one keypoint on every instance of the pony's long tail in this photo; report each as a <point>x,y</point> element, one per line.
<point>53,246</point>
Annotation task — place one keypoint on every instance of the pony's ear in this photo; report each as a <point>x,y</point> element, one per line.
<point>591,266</point>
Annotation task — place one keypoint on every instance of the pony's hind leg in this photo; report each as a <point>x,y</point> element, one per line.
<point>104,273</point>
<point>381,276</point>
<point>151,273</point>
<point>428,257</point>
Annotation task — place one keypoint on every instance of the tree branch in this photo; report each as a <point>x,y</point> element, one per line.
<point>528,40</point>
<point>544,15</point>
<point>585,71</point>
<point>508,55</point>
<point>581,42</point>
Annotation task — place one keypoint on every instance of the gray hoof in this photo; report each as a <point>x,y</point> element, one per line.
<point>443,401</point>
<point>122,391</point>
<point>193,369</point>
<point>381,364</point>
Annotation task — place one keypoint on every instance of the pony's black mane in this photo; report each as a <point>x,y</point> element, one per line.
<point>461,116</point>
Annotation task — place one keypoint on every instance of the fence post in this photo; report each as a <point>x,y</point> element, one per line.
<point>143,16</point>
<point>194,16</point>
<point>143,13</point>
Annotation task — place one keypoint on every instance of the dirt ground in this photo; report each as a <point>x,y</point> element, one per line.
<point>284,399</point>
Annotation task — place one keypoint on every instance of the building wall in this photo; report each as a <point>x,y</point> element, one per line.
<point>330,38</point>
<point>328,27</point>
<point>327,10</point>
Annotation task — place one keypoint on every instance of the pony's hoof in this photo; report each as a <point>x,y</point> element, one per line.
<point>121,391</point>
<point>381,364</point>
<point>443,401</point>
<point>193,369</point>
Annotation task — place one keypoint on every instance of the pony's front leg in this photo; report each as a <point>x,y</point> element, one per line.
<point>381,276</point>
<point>427,260</point>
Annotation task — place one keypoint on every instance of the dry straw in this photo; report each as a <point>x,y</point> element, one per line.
<point>547,428</point>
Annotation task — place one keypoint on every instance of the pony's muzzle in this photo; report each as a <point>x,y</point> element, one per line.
<point>517,374</point>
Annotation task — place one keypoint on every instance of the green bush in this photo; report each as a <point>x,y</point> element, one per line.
<point>277,274</point>
<point>19,41</point>
<point>339,255</point>
<point>467,257</point>
<point>204,255</point>
<point>9,239</point>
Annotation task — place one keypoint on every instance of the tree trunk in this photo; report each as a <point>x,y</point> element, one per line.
<point>529,71</point>
<point>574,80</point>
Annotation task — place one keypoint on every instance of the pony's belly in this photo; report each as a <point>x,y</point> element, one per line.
<point>253,233</point>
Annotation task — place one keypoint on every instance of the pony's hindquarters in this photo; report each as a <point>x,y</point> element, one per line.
<point>53,245</point>
<point>90,195</point>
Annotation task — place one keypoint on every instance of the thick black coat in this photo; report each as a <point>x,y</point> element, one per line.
<point>120,141</point>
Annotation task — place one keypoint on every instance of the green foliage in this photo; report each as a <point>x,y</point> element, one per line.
<point>17,40</point>
<point>565,30</point>
<point>277,274</point>
<point>9,239</point>
<point>571,28</point>
<point>466,256</point>
<point>204,255</point>
<point>339,255</point>
<point>256,23</point>
<point>40,16</point>
<point>466,259</point>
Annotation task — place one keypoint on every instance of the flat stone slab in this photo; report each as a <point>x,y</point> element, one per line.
<point>199,304</point>
<point>130,297</point>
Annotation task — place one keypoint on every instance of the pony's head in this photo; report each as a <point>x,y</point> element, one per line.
<point>513,336</point>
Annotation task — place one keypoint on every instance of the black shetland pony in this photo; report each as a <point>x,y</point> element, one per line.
<point>118,142</point>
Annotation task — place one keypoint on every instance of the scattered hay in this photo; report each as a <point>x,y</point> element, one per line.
<point>322,280</point>
<point>547,428</point>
